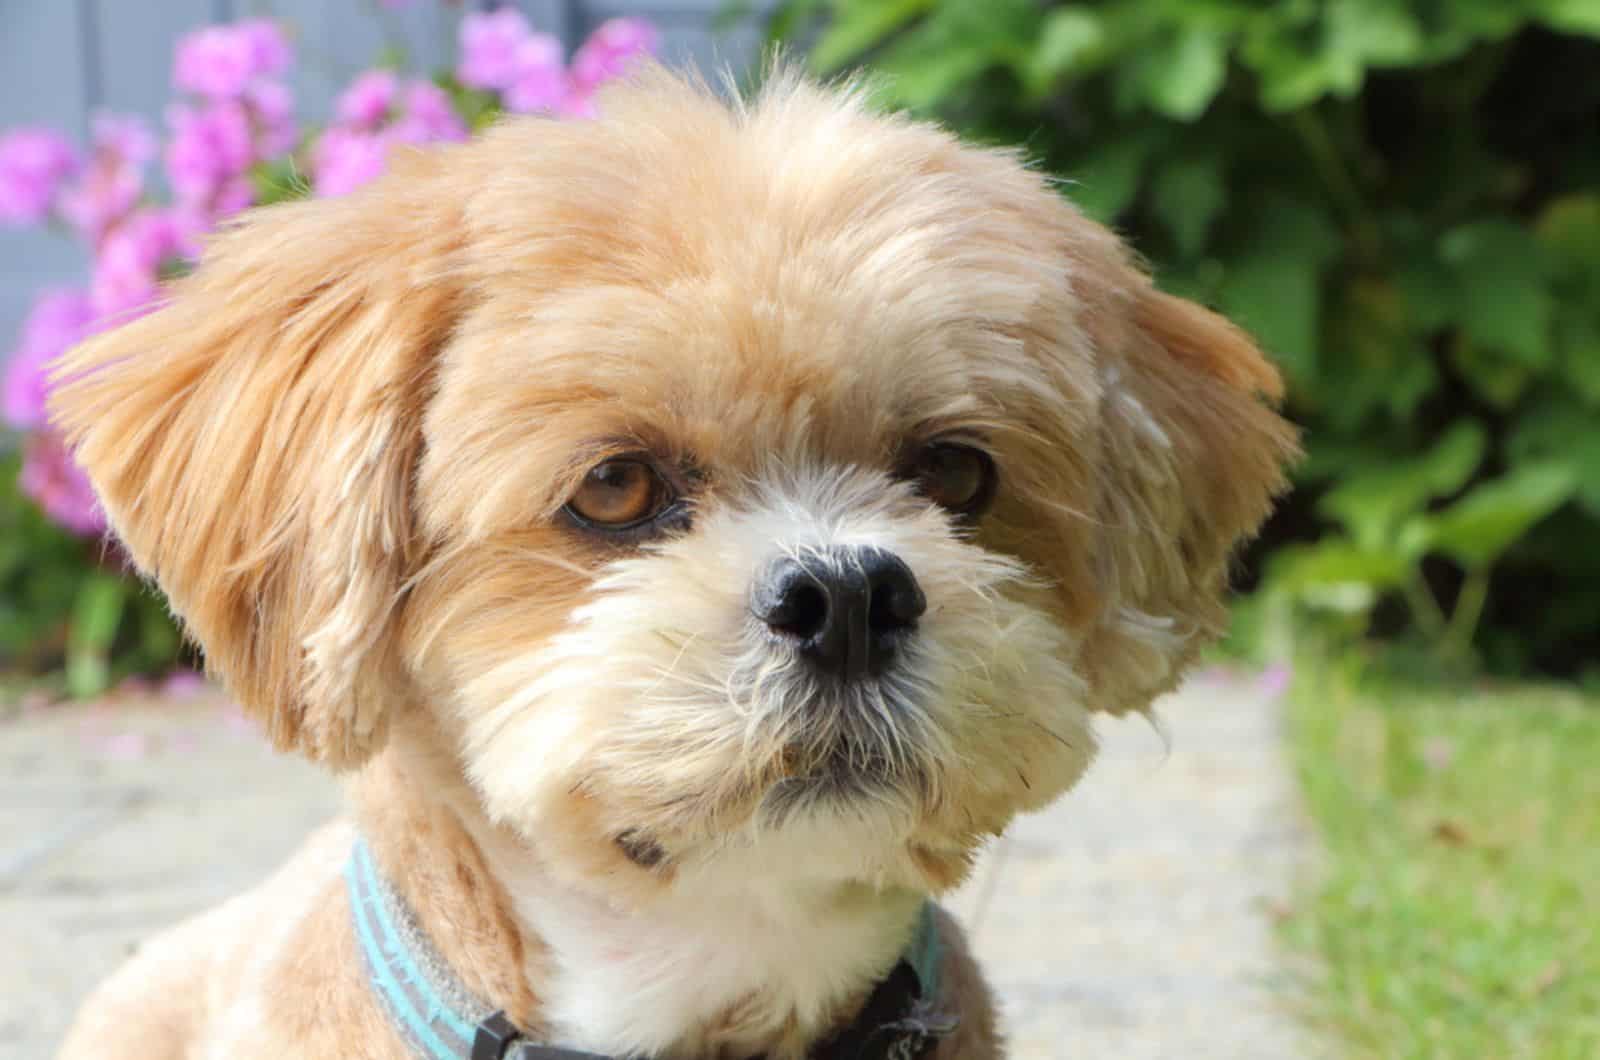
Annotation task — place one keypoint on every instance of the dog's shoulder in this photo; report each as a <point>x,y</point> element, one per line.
<point>272,972</point>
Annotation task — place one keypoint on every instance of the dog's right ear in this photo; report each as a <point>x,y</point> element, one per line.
<point>254,442</point>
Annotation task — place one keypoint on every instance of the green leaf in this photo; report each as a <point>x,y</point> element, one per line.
<point>1105,182</point>
<point>1340,454</point>
<point>1178,76</point>
<point>1301,57</point>
<point>1187,194</point>
<point>1072,43</point>
<point>1569,229</point>
<point>1379,33</point>
<point>1334,574</point>
<point>790,18</point>
<point>1478,528</point>
<point>1577,342</point>
<point>1375,504</point>
<point>1503,298</point>
<point>278,181</point>
<point>476,108</point>
<point>96,614</point>
<point>1558,429</point>
<point>1571,16</point>
<point>1428,288</point>
<point>861,25</point>
<point>1497,378</point>
<point>1277,301</point>
<point>1371,359</point>
<point>1273,284</point>
<point>928,63</point>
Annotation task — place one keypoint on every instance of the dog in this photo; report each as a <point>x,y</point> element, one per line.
<point>696,531</point>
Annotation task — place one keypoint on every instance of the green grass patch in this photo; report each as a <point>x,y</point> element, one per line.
<point>1456,908</point>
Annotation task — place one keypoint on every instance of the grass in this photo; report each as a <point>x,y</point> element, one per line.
<point>1456,908</point>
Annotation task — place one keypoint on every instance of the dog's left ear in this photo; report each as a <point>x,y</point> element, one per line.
<point>1192,453</point>
<point>254,441</point>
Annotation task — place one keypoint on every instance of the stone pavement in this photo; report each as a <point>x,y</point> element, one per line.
<point>1130,921</point>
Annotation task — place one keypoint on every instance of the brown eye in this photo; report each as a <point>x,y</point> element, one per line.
<point>955,477</point>
<point>619,493</point>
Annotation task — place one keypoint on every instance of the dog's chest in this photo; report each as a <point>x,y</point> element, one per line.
<point>708,975</point>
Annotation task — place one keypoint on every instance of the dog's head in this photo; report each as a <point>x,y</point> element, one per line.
<point>781,479</point>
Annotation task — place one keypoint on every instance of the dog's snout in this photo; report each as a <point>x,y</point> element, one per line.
<point>846,607</point>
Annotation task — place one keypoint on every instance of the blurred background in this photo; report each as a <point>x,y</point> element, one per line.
<point>1399,198</point>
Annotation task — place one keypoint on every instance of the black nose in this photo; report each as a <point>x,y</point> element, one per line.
<point>846,607</point>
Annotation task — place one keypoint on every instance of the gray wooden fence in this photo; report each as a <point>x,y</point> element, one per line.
<point>60,60</point>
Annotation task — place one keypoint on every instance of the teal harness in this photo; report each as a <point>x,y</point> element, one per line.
<point>440,1019</point>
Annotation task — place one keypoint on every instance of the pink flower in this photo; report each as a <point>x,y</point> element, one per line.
<point>114,181</point>
<point>126,137</point>
<point>611,50</point>
<point>1274,681</point>
<point>33,164</point>
<point>220,62</point>
<point>345,159</point>
<point>271,104</point>
<point>489,43</point>
<point>269,49</point>
<point>366,102</point>
<point>184,684</point>
<point>216,62</point>
<point>58,320</point>
<point>540,80</point>
<point>236,194</point>
<point>127,273</point>
<point>429,116</point>
<point>189,225</point>
<point>26,387</point>
<point>58,485</point>
<point>209,147</point>
<point>380,112</point>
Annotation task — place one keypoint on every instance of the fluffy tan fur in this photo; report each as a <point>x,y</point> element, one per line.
<point>342,447</point>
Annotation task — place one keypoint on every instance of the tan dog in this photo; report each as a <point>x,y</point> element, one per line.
<point>701,529</point>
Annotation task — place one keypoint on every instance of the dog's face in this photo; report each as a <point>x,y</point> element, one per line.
<point>785,483</point>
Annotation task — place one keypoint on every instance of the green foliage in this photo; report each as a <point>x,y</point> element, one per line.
<point>66,610</point>
<point>1399,198</point>
<point>279,180</point>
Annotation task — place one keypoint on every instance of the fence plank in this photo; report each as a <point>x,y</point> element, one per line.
<point>559,17</point>
<point>42,82</point>
<point>135,46</point>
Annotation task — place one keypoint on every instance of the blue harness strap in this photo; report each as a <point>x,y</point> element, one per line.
<point>441,1020</point>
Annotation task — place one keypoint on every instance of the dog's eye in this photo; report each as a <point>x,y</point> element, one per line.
<point>956,477</point>
<point>618,494</point>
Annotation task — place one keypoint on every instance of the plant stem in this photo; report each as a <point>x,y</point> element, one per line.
<point>1468,610</point>
<point>1336,177</point>
<point>1424,608</point>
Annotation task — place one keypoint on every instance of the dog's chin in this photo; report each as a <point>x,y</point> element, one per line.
<point>853,778</point>
<point>854,813</point>
<point>817,832</point>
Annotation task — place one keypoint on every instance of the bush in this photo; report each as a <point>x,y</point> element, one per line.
<point>69,607</point>
<point>1400,199</point>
